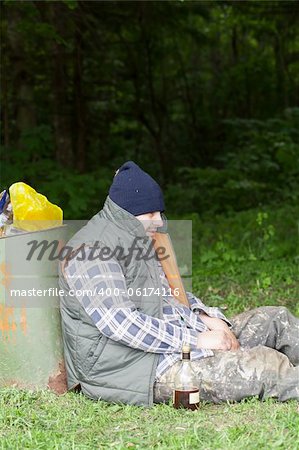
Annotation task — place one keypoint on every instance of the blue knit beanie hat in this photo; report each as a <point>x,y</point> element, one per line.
<point>135,190</point>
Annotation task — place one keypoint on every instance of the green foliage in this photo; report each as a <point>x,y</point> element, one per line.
<point>247,259</point>
<point>259,165</point>
<point>71,4</point>
<point>115,80</point>
<point>79,195</point>
<point>205,102</point>
<point>83,194</point>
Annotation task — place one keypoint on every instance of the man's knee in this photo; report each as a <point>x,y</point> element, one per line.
<point>273,311</point>
<point>270,359</point>
<point>282,313</point>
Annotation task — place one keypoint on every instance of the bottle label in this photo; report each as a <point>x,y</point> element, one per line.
<point>194,398</point>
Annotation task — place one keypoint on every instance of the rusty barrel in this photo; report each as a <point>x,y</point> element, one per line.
<point>31,350</point>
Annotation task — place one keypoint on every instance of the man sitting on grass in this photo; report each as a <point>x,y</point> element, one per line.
<point>124,347</point>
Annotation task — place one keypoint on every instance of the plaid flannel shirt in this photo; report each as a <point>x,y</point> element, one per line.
<point>100,288</point>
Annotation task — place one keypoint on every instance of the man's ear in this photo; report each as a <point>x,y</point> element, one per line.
<point>164,227</point>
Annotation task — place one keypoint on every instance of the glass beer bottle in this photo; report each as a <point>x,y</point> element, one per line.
<point>186,389</point>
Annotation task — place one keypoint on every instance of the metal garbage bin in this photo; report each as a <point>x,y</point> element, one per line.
<point>31,350</point>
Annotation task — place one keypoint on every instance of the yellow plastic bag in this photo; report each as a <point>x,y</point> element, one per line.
<point>32,211</point>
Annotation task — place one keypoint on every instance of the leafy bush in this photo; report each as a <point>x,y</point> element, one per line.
<point>260,165</point>
<point>79,195</point>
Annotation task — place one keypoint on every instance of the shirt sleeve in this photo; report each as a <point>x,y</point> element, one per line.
<point>100,288</point>
<point>196,305</point>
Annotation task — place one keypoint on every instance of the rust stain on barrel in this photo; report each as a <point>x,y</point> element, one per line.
<point>23,321</point>
<point>57,382</point>
<point>6,274</point>
<point>8,322</point>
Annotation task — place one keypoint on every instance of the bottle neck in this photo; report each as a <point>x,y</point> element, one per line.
<point>186,357</point>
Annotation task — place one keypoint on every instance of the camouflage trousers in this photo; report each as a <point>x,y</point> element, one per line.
<point>266,365</point>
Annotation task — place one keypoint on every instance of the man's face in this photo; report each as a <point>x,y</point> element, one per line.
<point>151,221</point>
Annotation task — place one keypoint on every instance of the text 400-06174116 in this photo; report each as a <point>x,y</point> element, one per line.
<point>145,292</point>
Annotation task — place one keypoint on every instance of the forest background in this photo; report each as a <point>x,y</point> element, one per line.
<point>203,95</point>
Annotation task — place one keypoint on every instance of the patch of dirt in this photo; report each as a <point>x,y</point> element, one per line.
<point>57,382</point>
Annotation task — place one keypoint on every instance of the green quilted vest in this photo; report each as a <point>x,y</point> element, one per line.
<point>105,368</point>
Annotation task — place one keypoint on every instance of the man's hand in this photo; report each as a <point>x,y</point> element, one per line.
<point>215,340</point>
<point>216,324</point>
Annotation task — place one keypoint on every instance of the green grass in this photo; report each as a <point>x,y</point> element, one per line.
<point>244,261</point>
<point>238,264</point>
<point>41,420</point>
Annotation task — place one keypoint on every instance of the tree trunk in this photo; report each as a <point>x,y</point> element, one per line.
<point>79,103</point>
<point>61,115</point>
<point>21,79</point>
<point>4,85</point>
<point>282,97</point>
